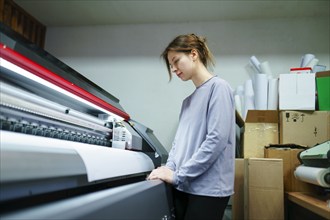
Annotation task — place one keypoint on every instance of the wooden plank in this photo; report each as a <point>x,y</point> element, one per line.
<point>312,202</point>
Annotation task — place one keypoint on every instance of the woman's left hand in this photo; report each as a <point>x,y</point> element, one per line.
<point>162,173</point>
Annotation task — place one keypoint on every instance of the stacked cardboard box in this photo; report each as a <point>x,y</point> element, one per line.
<point>265,127</point>
<point>260,130</point>
<point>289,155</point>
<point>238,197</point>
<point>307,128</point>
<point>258,189</point>
<point>297,91</point>
<point>263,189</point>
<point>295,123</point>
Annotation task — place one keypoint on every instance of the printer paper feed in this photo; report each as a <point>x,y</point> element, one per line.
<point>100,162</point>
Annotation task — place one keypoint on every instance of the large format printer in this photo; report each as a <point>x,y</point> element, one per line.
<point>68,149</point>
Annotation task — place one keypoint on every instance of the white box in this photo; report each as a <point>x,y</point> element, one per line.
<point>297,91</point>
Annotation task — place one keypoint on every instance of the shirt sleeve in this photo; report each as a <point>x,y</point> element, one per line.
<point>170,163</point>
<point>219,124</point>
<point>170,160</point>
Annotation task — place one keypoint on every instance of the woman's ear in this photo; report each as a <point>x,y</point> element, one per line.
<point>194,54</point>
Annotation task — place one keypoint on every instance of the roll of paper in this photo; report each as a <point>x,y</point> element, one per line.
<point>248,97</point>
<point>319,68</point>
<point>255,63</point>
<point>261,90</point>
<point>248,88</point>
<point>239,90</point>
<point>272,94</point>
<point>265,68</point>
<point>313,175</point>
<point>306,59</point>
<point>312,63</point>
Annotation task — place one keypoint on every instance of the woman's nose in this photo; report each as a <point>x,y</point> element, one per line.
<point>173,68</point>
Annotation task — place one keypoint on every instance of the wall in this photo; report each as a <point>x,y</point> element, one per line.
<point>125,59</point>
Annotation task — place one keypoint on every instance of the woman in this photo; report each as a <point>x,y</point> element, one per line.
<point>201,161</point>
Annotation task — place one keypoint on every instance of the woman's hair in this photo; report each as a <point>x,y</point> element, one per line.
<point>185,43</point>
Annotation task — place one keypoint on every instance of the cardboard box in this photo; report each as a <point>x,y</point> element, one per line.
<point>323,90</point>
<point>297,91</point>
<point>289,156</point>
<point>306,128</point>
<point>260,130</point>
<point>238,197</point>
<point>263,189</point>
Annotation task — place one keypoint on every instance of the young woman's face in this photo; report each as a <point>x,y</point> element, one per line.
<point>181,64</point>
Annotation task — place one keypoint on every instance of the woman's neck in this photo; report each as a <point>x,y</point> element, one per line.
<point>201,76</point>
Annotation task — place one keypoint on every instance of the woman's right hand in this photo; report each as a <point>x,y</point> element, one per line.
<point>162,173</point>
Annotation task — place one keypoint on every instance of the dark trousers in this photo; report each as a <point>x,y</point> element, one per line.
<point>189,206</point>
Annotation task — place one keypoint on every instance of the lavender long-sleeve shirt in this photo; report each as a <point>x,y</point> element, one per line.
<point>203,151</point>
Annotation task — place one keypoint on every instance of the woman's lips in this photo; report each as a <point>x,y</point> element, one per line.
<point>179,74</point>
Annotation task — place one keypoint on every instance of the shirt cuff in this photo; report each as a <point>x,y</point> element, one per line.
<point>175,179</point>
<point>170,165</point>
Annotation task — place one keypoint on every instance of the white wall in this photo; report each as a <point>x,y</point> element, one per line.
<point>125,59</point>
